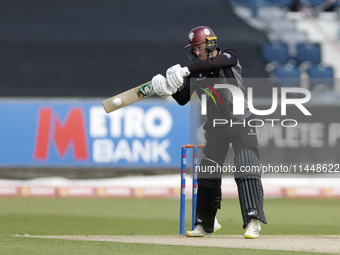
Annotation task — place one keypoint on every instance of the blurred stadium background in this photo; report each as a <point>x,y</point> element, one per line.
<point>60,59</point>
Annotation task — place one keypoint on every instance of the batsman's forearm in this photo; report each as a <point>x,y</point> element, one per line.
<point>182,96</point>
<point>213,63</point>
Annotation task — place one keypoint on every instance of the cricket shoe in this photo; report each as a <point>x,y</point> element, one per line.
<point>217,225</point>
<point>199,231</point>
<point>253,229</point>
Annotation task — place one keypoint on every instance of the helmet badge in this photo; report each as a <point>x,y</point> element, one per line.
<point>191,36</point>
<point>206,31</point>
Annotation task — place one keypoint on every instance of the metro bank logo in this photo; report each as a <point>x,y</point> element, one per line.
<point>64,135</point>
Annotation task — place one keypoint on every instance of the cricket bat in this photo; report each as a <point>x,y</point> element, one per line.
<point>133,95</point>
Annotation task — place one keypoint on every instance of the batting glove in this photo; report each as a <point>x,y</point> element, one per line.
<point>160,86</point>
<point>174,76</point>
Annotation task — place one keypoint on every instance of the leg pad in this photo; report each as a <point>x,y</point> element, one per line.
<point>250,194</point>
<point>209,198</point>
<point>246,163</point>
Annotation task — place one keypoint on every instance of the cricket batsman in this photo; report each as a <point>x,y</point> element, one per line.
<point>213,65</point>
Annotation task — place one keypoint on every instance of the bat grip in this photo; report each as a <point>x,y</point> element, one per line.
<point>185,71</point>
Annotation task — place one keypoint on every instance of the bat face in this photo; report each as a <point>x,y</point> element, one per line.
<point>128,97</point>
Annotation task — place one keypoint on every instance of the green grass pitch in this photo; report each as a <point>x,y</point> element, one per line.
<point>71,216</point>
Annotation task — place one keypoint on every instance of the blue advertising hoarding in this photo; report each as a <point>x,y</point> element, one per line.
<point>69,133</point>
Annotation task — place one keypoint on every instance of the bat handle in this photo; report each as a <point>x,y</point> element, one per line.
<point>185,71</point>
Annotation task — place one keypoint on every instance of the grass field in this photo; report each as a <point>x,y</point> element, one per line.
<point>66,216</point>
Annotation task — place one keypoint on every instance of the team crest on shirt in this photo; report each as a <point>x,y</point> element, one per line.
<point>226,54</point>
<point>252,132</point>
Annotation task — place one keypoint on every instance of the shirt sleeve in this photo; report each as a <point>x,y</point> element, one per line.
<point>225,58</point>
<point>182,96</point>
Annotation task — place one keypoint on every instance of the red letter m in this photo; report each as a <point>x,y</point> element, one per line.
<point>72,132</point>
